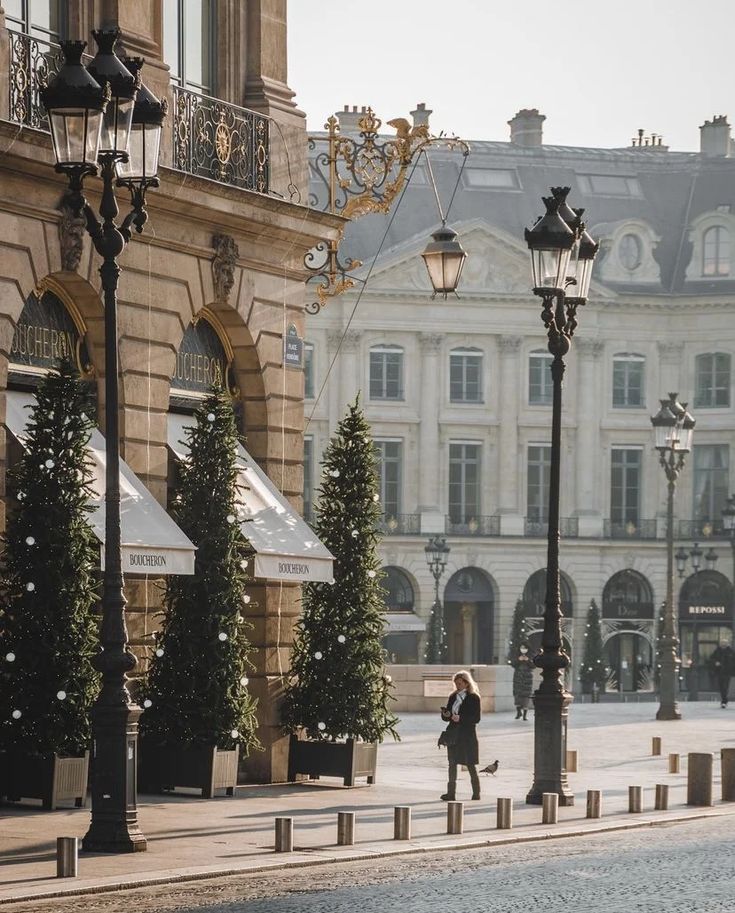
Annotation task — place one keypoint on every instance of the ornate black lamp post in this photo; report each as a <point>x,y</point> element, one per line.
<point>437,553</point>
<point>673,427</point>
<point>102,122</point>
<point>562,254</point>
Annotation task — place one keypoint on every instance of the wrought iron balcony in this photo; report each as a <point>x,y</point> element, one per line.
<point>401,525</point>
<point>701,530</point>
<point>475,526</point>
<point>643,529</point>
<point>32,63</point>
<point>219,141</point>
<point>538,529</point>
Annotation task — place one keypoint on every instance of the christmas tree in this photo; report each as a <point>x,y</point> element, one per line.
<point>48,632</point>
<point>196,692</point>
<point>337,687</point>
<point>517,632</point>
<point>594,668</point>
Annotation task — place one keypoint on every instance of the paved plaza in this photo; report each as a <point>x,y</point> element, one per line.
<point>193,838</point>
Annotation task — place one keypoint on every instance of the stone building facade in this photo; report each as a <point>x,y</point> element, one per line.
<point>458,394</point>
<point>224,245</point>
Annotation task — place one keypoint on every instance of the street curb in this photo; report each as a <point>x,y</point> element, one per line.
<point>278,862</point>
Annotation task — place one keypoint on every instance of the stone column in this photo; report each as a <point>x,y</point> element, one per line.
<point>350,368</point>
<point>588,495</point>
<point>509,496</point>
<point>467,614</point>
<point>669,370</point>
<point>334,393</point>
<point>432,519</point>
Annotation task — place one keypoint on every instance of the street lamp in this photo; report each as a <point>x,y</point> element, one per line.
<point>562,254</point>
<point>93,113</point>
<point>437,553</point>
<point>444,257</point>
<point>673,429</point>
<point>696,554</point>
<point>728,522</point>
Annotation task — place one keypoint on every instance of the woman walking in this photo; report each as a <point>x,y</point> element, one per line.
<point>522,681</point>
<point>463,713</point>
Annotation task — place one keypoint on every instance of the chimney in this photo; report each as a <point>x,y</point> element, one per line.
<point>349,119</point>
<point>714,137</point>
<point>421,115</point>
<point>526,128</point>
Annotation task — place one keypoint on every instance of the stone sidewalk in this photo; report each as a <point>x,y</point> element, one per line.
<point>192,838</point>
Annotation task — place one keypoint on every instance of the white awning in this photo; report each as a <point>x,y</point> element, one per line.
<point>396,622</point>
<point>286,548</point>
<point>151,542</point>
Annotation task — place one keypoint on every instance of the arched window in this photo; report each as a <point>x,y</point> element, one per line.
<point>465,376</point>
<point>399,596</point>
<point>630,251</point>
<point>627,594</point>
<point>534,594</point>
<point>628,380</point>
<point>386,372</point>
<point>712,380</point>
<point>716,251</point>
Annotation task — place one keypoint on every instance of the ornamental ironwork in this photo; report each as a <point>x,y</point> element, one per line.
<point>32,63</point>
<point>222,142</point>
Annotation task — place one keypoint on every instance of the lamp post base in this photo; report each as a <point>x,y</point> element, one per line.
<point>668,712</point>
<point>550,747</point>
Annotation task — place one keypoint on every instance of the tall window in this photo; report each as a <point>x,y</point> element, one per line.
<point>308,477</point>
<point>390,458</point>
<point>465,376</point>
<point>40,18</point>
<point>188,37</point>
<point>464,482</point>
<point>539,469</point>
<point>628,373</point>
<point>625,486</point>
<point>308,370</point>
<point>716,252</point>
<point>540,386</point>
<point>711,482</point>
<point>712,372</point>
<point>386,372</point>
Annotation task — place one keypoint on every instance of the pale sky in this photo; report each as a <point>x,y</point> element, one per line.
<point>598,73</point>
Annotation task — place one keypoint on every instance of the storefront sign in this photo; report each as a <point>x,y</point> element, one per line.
<point>293,348</point>
<point>278,567</point>
<point>705,611</point>
<point>627,610</point>
<point>45,334</point>
<point>201,362</point>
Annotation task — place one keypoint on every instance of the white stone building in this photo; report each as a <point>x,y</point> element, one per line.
<point>459,393</point>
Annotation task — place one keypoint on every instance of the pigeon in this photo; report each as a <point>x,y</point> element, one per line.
<point>491,768</point>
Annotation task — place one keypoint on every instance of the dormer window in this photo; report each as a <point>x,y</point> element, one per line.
<point>630,251</point>
<point>716,251</point>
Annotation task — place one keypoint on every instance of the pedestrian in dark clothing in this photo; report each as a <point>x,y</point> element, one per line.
<point>722,664</point>
<point>522,682</point>
<point>463,713</point>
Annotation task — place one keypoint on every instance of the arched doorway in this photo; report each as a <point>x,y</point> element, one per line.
<point>705,619</point>
<point>627,612</point>
<point>403,628</point>
<point>534,603</point>
<point>468,617</point>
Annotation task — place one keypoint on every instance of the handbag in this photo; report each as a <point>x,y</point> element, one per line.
<point>449,738</point>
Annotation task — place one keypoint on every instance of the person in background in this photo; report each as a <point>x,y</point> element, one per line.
<point>463,712</point>
<point>722,665</point>
<point>522,681</point>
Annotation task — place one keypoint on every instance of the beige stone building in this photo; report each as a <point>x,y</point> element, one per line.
<point>459,395</point>
<point>212,285</point>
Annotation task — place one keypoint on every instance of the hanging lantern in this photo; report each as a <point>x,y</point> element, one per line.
<point>444,257</point>
<point>145,135</point>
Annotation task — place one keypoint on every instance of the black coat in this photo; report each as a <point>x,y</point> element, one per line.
<point>466,751</point>
<point>722,662</point>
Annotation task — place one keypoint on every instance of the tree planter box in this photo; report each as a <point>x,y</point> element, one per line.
<point>207,768</point>
<point>51,778</point>
<point>349,759</point>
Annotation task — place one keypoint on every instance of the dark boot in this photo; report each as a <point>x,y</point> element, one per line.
<point>525,714</point>
<point>450,794</point>
<point>475,780</point>
<point>518,713</point>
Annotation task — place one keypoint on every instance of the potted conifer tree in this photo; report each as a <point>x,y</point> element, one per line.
<point>336,703</point>
<point>48,632</point>
<point>198,713</point>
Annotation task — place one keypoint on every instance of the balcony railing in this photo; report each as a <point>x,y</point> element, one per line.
<point>698,529</point>
<point>568,528</point>
<point>223,142</point>
<point>643,529</point>
<point>475,526</point>
<point>32,63</point>
<point>401,525</point>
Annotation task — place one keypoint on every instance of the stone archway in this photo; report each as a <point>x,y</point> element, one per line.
<point>469,614</point>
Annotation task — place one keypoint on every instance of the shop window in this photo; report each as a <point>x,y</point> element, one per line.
<point>399,595</point>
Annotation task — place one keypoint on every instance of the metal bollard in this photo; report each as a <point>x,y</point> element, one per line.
<point>662,797</point>
<point>727,760</point>
<point>699,778</point>
<point>656,745</point>
<point>674,763</point>
<point>505,814</point>
<point>594,803</point>
<point>634,799</point>
<point>67,857</point>
<point>572,761</point>
<point>284,835</point>
<point>402,822</point>
<point>455,817</point>
<point>345,828</point>
<point>549,808</point>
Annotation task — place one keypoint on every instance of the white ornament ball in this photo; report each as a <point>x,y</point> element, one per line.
<point>243,564</point>
<point>246,599</point>
<point>222,636</point>
<point>388,679</point>
<point>332,582</point>
<point>30,540</point>
<point>10,657</point>
<point>147,703</point>
<point>230,518</point>
<point>318,654</point>
<point>210,416</point>
<point>341,638</point>
<point>235,734</point>
<point>16,714</point>
<point>355,534</point>
<point>159,651</point>
<point>61,695</point>
<point>371,574</point>
<point>322,726</point>
<point>21,496</point>
<point>30,587</point>
<point>334,473</point>
<point>49,464</point>
<point>244,680</point>
<point>376,497</point>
